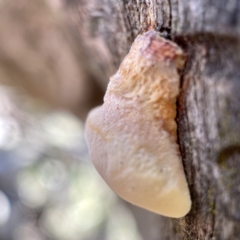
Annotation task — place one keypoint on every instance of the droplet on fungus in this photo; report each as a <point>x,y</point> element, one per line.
<point>132,137</point>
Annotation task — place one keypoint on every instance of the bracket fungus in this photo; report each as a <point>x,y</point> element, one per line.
<point>132,137</point>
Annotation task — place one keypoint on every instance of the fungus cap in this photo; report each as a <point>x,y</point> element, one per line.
<point>132,136</point>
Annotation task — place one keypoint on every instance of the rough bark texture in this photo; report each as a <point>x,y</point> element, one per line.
<point>208,109</point>
<point>208,106</point>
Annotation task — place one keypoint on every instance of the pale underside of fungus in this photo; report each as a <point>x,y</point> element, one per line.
<point>132,137</point>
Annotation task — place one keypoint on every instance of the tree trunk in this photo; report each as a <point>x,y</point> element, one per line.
<point>208,106</point>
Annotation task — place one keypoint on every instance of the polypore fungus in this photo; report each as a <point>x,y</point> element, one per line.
<point>132,137</point>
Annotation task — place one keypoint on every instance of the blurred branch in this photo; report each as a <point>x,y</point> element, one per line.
<point>40,54</point>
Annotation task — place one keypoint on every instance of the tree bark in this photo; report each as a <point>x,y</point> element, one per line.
<point>208,106</point>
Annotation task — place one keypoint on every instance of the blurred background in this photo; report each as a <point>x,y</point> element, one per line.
<point>48,187</point>
<point>49,79</point>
